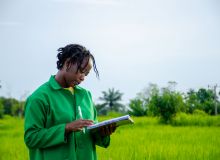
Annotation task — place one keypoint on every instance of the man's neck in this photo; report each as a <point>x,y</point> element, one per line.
<point>60,79</point>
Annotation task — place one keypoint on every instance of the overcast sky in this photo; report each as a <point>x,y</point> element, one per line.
<point>134,42</point>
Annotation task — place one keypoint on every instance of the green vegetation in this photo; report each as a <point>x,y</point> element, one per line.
<point>111,102</point>
<point>198,118</point>
<point>11,106</point>
<point>191,130</point>
<point>11,139</point>
<point>166,102</point>
<point>146,139</point>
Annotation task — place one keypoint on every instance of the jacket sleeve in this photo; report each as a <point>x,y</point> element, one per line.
<point>102,141</point>
<point>36,134</point>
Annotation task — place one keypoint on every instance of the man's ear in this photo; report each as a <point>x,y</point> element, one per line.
<point>67,65</point>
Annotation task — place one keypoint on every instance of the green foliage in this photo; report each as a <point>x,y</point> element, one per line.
<point>153,109</point>
<point>11,139</point>
<point>138,108</point>
<point>114,114</point>
<point>205,95</point>
<point>111,101</point>
<point>101,109</point>
<point>1,110</point>
<point>191,102</point>
<point>152,141</point>
<point>166,104</point>
<point>203,99</point>
<point>198,118</point>
<point>199,112</point>
<point>12,106</point>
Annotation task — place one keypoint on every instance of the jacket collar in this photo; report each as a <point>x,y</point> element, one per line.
<point>53,83</point>
<point>78,91</point>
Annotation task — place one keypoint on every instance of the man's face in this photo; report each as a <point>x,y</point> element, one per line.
<point>73,77</point>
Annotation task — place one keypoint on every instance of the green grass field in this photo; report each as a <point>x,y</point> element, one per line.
<point>144,140</point>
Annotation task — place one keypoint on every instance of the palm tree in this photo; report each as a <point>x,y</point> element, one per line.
<point>112,100</point>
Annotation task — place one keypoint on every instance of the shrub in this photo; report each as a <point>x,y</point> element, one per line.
<point>138,108</point>
<point>1,110</point>
<point>199,112</point>
<point>199,118</point>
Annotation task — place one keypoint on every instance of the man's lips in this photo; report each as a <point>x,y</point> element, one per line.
<point>76,83</point>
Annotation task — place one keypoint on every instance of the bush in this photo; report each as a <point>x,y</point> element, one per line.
<point>1,110</point>
<point>199,112</point>
<point>166,105</point>
<point>138,108</point>
<point>199,118</point>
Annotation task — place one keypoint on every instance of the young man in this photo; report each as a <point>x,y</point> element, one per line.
<point>57,112</point>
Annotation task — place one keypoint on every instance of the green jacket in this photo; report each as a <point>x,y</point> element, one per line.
<point>47,111</point>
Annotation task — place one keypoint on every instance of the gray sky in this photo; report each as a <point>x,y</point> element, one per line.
<point>135,42</point>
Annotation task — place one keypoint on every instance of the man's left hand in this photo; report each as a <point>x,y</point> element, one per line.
<point>107,130</point>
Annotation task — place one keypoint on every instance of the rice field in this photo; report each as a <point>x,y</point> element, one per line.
<point>145,140</point>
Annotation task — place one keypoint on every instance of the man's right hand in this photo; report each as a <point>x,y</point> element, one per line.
<point>77,125</point>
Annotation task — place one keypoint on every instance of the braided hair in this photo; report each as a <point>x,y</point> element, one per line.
<point>75,54</point>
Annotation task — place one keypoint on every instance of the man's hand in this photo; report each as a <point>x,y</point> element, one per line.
<point>77,125</point>
<point>107,130</point>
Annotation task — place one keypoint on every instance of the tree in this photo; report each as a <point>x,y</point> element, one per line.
<point>138,108</point>
<point>166,103</point>
<point>112,99</point>
<point>101,109</point>
<point>205,95</point>
<point>1,110</point>
<point>12,106</point>
<point>203,99</point>
<point>7,103</point>
<point>191,101</point>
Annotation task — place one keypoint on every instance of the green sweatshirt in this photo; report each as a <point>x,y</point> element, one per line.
<point>47,111</point>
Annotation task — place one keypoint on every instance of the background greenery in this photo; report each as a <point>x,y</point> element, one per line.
<point>168,125</point>
<point>163,102</point>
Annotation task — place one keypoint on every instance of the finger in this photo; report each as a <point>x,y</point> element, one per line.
<point>102,131</point>
<point>113,128</point>
<point>85,120</point>
<point>85,124</point>
<point>88,122</point>
<point>110,128</point>
<point>107,130</point>
<point>78,129</point>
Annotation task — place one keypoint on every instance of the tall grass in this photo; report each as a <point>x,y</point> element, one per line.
<point>148,140</point>
<point>145,140</point>
<point>201,119</point>
<point>12,145</point>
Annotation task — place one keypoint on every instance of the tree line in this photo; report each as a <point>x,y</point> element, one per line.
<point>11,106</point>
<point>163,102</point>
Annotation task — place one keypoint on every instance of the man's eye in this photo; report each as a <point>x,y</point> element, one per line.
<point>84,72</point>
<point>81,71</point>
